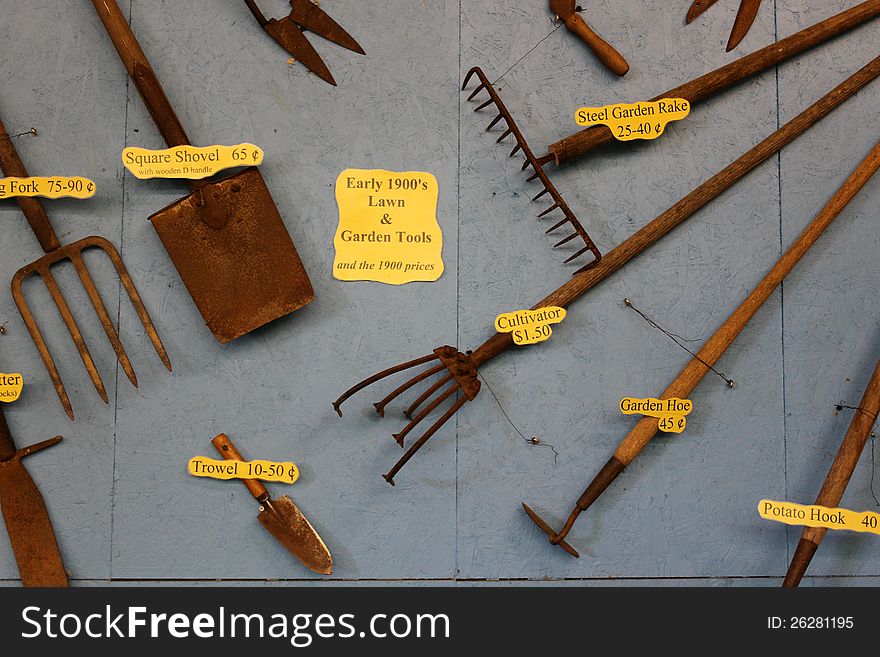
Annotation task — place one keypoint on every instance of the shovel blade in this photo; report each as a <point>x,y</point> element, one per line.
<point>286,523</point>
<point>30,529</point>
<point>234,254</point>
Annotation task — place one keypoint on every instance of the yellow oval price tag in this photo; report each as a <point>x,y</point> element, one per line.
<point>192,162</point>
<point>671,413</point>
<point>10,387</point>
<point>530,326</point>
<point>48,187</point>
<point>284,472</point>
<point>628,121</point>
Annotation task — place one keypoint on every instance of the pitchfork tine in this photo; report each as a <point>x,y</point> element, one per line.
<point>408,413</point>
<point>37,337</point>
<point>380,406</point>
<point>416,446</point>
<point>101,309</point>
<point>425,412</point>
<point>72,327</point>
<point>107,247</point>
<point>378,377</point>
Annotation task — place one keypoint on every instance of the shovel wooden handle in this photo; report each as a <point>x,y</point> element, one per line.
<point>606,53</point>
<point>11,165</point>
<point>141,72</point>
<point>227,450</point>
<point>7,446</point>
<point>727,76</point>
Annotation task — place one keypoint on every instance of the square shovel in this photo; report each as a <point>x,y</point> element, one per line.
<point>226,239</point>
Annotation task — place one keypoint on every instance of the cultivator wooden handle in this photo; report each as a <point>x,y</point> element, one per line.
<point>729,75</point>
<point>138,67</point>
<point>839,475</point>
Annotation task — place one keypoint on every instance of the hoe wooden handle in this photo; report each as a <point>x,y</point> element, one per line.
<point>141,72</point>
<point>606,53</point>
<point>227,450</point>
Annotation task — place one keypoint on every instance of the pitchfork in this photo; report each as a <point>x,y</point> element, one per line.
<point>36,216</point>
<point>461,368</point>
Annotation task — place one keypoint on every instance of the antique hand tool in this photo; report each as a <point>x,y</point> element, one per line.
<point>745,18</point>
<point>27,519</point>
<point>567,11</point>
<point>226,238</point>
<point>459,370</point>
<point>715,347</point>
<point>282,519</point>
<point>696,90</point>
<point>841,472</point>
<point>288,32</point>
<point>36,216</point>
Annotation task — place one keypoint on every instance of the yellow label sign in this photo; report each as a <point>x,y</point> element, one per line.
<point>628,121</point>
<point>530,326</point>
<point>10,387</point>
<point>285,472</point>
<point>672,413</point>
<point>48,187</point>
<point>388,230</point>
<point>193,162</point>
<point>790,513</point>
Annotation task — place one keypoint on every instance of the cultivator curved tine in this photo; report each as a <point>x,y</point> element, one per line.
<point>459,369</point>
<point>537,165</point>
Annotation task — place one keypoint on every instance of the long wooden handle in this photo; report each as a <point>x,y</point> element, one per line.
<point>727,76</point>
<point>141,72</point>
<point>715,346</point>
<point>11,165</point>
<point>606,53</point>
<point>227,451</point>
<point>579,285</point>
<point>7,445</point>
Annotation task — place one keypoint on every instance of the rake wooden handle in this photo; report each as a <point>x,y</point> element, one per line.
<point>11,165</point>
<point>606,53</point>
<point>727,76</point>
<point>839,475</point>
<point>578,285</point>
<point>138,67</point>
<point>227,450</point>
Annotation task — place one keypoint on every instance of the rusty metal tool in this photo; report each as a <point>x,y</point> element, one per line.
<point>745,18</point>
<point>27,519</point>
<point>567,12</point>
<point>33,210</point>
<point>288,32</point>
<point>715,347</point>
<point>226,239</point>
<point>695,91</point>
<point>458,371</point>
<point>283,519</point>
<point>838,478</point>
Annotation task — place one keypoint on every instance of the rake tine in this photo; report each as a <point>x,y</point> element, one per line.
<point>532,177</point>
<point>37,337</point>
<point>526,165</point>
<point>484,105</point>
<point>430,391</point>
<point>380,406</point>
<point>100,308</point>
<point>468,77</point>
<point>539,194</point>
<point>565,240</point>
<point>72,327</point>
<point>378,377</point>
<point>134,297</point>
<point>426,412</point>
<point>577,255</point>
<point>548,211</point>
<point>476,91</point>
<point>494,122</point>
<point>515,149</point>
<point>556,225</point>
<point>421,441</point>
<point>504,135</point>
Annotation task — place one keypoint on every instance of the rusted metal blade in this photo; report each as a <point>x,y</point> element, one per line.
<point>745,18</point>
<point>380,406</point>
<point>446,394</point>
<point>547,529</point>
<point>312,17</point>
<point>292,39</point>
<point>698,8</point>
<point>30,529</point>
<point>289,526</point>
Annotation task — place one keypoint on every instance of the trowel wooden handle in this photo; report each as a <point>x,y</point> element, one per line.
<point>606,53</point>
<point>227,450</point>
<point>141,72</point>
<point>11,165</point>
